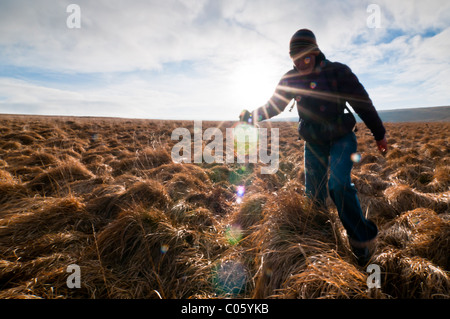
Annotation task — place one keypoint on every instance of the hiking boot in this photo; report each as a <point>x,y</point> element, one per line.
<point>362,255</point>
<point>362,251</point>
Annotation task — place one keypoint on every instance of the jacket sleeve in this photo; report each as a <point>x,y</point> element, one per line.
<point>355,94</point>
<point>278,102</point>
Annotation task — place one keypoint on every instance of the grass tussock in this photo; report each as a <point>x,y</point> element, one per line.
<point>105,195</point>
<point>250,213</point>
<point>50,215</point>
<point>108,201</point>
<point>420,232</point>
<point>328,276</point>
<point>291,232</point>
<point>145,244</point>
<point>147,159</point>
<point>407,276</point>
<point>403,198</point>
<point>11,191</point>
<point>52,180</point>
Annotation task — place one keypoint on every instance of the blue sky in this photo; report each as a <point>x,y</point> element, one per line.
<point>209,59</point>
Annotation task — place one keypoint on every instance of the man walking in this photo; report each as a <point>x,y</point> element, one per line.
<point>321,89</point>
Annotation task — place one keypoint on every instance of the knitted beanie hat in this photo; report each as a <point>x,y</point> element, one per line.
<point>303,41</point>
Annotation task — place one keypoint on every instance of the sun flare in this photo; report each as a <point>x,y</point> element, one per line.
<point>253,83</point>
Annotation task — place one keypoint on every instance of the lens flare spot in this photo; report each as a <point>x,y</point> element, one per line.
<point>355,157</point>
<point>164,248</point>
<point>245,138</point>
<point>233,234</point>
<point>268,272</point>
<point>229,278</point>
<point>94,137</point>
<point>242,170</point>
<point>240,191</point>
<point>313,85</point>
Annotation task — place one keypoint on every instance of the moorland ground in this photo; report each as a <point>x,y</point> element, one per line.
<point>104,194</point>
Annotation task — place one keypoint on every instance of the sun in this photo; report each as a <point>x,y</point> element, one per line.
<point>253,83</point>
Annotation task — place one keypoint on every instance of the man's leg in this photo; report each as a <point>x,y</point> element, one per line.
<point>359,229</point>
<point>316,173</point>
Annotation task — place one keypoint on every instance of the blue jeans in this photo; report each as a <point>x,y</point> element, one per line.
<point>337,157</point>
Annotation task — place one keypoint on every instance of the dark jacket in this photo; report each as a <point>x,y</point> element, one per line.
<point>321,97</point>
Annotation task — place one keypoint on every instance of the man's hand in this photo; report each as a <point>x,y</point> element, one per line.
<point>246,117</point>
<point>382,146</point>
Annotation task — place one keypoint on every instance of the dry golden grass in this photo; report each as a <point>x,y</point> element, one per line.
<point>104,194</point>
<point>328,276</point>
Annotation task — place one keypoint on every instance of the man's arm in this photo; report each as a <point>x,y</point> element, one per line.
<point>278,102</point>
<point>355,94</point>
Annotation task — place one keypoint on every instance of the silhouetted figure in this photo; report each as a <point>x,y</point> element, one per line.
<point>321,89</point>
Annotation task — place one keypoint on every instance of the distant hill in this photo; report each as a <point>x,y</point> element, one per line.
<point>422,114</point>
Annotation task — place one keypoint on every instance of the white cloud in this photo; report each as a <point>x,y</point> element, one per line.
<point>180,58</point>
<point>129,99</point>
<point>119,35</point>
